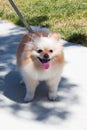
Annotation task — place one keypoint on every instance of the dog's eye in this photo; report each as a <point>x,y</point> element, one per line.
<point>51,51</point>
<point>39,51</point>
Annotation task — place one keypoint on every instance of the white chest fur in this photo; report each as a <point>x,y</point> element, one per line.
<point>32,72</point>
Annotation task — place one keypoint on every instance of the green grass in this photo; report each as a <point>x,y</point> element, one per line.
<point>68,17</point>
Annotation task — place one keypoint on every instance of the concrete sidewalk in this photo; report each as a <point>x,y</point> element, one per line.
<point>68,113</point>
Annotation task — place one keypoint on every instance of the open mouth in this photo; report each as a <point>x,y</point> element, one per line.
<point>45,63</point>
<point>43,60</point>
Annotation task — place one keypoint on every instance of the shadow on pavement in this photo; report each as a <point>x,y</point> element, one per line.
<point>15,92</point>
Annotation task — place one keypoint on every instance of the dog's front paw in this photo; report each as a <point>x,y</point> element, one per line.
<point>28,98</point>
<point>52,96</point>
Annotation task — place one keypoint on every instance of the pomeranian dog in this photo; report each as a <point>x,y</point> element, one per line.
<point>40,57</point>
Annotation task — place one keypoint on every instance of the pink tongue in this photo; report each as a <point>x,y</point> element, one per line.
<point>45,65</point>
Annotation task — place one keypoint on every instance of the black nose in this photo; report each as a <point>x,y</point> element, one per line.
<point>46,56</point>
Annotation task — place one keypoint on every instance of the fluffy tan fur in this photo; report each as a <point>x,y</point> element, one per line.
<point>31,68</point>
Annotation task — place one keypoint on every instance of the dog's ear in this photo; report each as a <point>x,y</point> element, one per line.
<point>55,36</point>
<point>29,37</point>
<point>32,36</point>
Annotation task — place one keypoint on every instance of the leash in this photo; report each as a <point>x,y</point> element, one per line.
<point>20,16</point>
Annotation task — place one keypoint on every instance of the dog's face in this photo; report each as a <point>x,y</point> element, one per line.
<point>44,50</point>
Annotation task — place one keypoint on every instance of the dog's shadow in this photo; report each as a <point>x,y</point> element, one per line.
<point>16,91</point>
